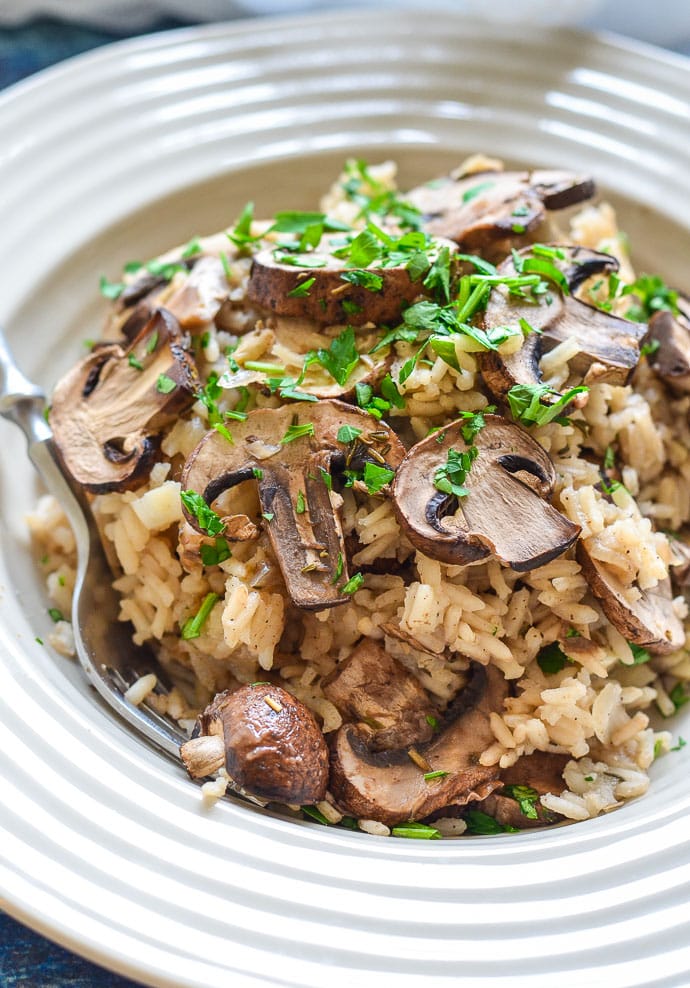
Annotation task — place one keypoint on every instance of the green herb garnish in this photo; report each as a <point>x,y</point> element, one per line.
<point>416,831</point>
<point>376,477</point>
<point>526,405</point>
<point>353,584</point>
<point>212,555</point>
<point>55,614</point>
<point>302,289</point>
<point>207,519</point>
<point>297,432</point>
<point>484,825</point>
<point>348,433</point>
<point>165,384</point>
<point>192,626</point>
<point>450,478</point>
<point>551,659</point>
<point>526,798</point>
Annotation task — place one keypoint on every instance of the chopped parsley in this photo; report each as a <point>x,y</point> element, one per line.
<point>207,519</point>
<point>481,824</point>
<point>339,566</point>
<point>649,348</point>
<point>374,199</point>
<point>297,432</point>
<point>526,798</point>
<point>111,289</point>
<point>525,401</point>
<point>653,295</point>
<point>416,831</point>
<point>376,477</point>
<point>476,190</point>
<point>165,384</point>
<point>192,248</point>
<point>302,289</point>
<point>342,356</point>
<point>432,722</point>
<point>55,614</point>
<point>241,234</point>
<point>551,659</point>
<point>192,626</point>
<point>679,695</point>
<point>348,433</point>
<point>640,655</point>
<point>212,555</point>
<point>451,476</point>
<point>366,279</point>
<point>353,584</point>
<point>300,504</point>
<point>311,811</point>
<point>681,744</point>
<point>134,362</point>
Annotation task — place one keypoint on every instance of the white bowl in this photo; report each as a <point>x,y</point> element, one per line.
<point>104,844</point>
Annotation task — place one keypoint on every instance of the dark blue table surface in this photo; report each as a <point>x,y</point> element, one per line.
<point>27,960</point>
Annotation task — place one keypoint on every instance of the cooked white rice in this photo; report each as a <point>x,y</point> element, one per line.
<point>596,710</point>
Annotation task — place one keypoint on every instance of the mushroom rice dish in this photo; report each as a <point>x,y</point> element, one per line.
<point>398,491</point>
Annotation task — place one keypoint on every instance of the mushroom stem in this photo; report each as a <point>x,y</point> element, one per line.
<point>203,755</point>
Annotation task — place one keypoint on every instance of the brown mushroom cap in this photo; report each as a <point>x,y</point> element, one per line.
<point>303,526</point>
<point>371,688</point>
<point>274,748</point>
<point>331,299</point>
<point>390,787</point>
<point>108,412</point>
<point>649,622</point>
<point>492,208</point>
<point>671,358</point>
<point>609,345</point>
<point>506,512</point>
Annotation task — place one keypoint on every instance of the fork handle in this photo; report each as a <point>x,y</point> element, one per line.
<point>24,403</point>
<point>21,401</point>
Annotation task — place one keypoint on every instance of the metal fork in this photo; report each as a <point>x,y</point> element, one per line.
<point>111,661</point>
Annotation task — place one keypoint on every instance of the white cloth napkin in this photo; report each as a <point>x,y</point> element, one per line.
<point>663,22</point>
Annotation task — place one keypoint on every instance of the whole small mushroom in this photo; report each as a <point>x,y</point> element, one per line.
<point>268,741</point>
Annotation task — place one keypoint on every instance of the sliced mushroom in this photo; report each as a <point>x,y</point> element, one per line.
<point>390,786</point>
<point>287,341</point>
<point>540,772</point>
<point>109,411</point>
<point>371,688</point>
<point>490,209</point>
<point>506,512</point>
<point>268,741</point>
<point>293,482</point>
<point>650,621</point>
<point>671,358</point>
<point>331,299</point>
<point>609,345</point>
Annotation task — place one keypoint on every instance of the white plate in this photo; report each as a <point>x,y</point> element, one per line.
<point>104,844</point>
